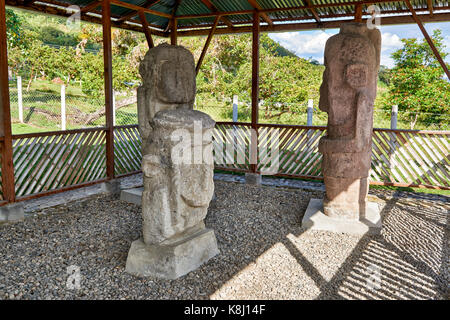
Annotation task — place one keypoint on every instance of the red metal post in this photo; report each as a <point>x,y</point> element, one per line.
<point>5,114</point>
<point>107,61</point>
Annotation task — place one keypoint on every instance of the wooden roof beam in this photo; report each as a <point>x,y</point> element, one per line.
<point>91,6</point>
<point>263,15</point>
<point>314,12</point>
<point>146,29</point>
<point>137,8</point>
<point>133,14</point>
<point>427,37</point>
<point>205,48</point>
<point>358,13</point>
<point>61,11</point>
<point>214,9</point>
<point>390,20</point>
<point>430,7</point>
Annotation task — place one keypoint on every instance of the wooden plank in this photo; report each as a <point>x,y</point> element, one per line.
<point>205,48</point>
<point>107,62</point>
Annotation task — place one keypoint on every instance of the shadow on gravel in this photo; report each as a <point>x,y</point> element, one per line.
<point>264,252</point>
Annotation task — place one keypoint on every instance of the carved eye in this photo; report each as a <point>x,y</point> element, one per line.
<point>356,75</point>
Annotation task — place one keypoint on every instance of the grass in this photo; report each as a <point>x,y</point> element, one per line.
<point>374,187</point>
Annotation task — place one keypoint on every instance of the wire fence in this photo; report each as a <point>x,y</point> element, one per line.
<point>38,107</point>
<point>297,114</point>
<point>53,107</point>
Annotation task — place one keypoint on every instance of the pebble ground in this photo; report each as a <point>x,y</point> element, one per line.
<point>264,252</point>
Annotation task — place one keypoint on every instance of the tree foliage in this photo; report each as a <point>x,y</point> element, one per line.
<point>417,83</point>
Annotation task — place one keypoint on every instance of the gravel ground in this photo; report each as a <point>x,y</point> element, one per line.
<point>264,252</point>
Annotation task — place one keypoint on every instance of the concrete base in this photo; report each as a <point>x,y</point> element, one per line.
<point>253,178</point>
<point>173,260</point>
<point>315,219</point>
<point>132,195</point>
<point>112,187</point>
<point>11,212</point>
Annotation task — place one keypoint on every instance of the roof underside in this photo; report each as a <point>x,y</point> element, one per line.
<point>194,17</point>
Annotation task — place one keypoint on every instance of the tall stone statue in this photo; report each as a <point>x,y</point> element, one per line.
<point>178,168</point>
<point>347,94</point>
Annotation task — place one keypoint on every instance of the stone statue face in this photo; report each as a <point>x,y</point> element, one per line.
<point>171,71</point>
<point>175,79</point>
<point>168,83</point>
<point>351,66</point>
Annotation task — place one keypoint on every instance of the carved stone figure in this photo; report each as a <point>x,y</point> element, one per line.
<point>347,94</point>
<point>178,168</point>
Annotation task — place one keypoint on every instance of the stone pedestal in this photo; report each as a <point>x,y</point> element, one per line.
<point>172,260</point>
<point>316,219</point>
<point>253,179</point>
<point>11,213</point>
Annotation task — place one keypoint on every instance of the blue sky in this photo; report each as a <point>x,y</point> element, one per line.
<point>308,44</point>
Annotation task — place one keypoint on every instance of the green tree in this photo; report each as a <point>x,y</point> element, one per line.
<point>417,85</point>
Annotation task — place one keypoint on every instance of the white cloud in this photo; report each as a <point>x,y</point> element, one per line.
<point>390,41</point>
<point>312,44</point>
<point>303,43</point>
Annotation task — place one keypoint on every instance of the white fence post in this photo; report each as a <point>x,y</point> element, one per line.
<point>19,98</point>
<point>394,114</point>
<point>114,107</point>
<point>235,108</point>
<point>63,107</point>
<point>310,110</point>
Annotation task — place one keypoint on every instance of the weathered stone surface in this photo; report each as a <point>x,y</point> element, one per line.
<point>177,166</point>
<point>348,90</point>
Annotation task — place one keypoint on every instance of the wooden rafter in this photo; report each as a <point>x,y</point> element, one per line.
<point>358,13</point>
<point>427,37</point>
<point>332,24</point>
<point>91,6</point>
<point>138,8</point>
<point>213,8</point>
<point>61,11</point>
<point>263,15</point>
<point>146,29</point>
<point>208,40</point>
<point>133,14</point>
<point>294,8</point>
<point>313,11</point>
<point>430,6</point>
